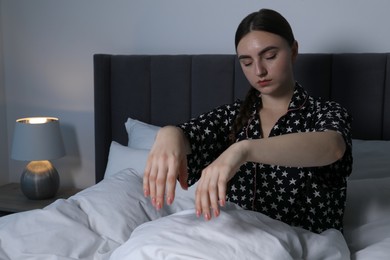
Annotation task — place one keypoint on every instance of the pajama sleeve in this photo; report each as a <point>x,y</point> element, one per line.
<point>208,137</point>
<point>332,116</point>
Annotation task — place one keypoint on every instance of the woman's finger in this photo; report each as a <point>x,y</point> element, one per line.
<point>152,183</point>
<point>222,186</point>
<point>160,183</point>
<point>198,203</point>
<point>204,196</point>
<point>213,193</point>
<point>172,173</point>
<point>146,178</point>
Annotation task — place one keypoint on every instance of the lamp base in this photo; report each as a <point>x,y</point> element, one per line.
<point>39,180</point>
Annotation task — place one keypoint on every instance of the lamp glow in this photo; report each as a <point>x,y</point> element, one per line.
<point>36,120</point>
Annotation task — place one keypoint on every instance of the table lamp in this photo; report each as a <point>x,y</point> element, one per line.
<point>38,140</point>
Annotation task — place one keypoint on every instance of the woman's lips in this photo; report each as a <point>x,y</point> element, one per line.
<point>264,83</point>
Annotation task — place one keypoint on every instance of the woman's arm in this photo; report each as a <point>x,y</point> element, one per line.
<point>166,163</point>
<point>296,150</point>
<point>311,149</point>
<point>205,137</point>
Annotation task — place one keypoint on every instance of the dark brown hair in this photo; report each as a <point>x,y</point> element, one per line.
<point>265,20</point>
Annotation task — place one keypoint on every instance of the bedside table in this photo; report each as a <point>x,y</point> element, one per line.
<point>12,199</point>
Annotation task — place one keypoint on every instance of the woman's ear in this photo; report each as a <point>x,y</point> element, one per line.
<point>294,51</point>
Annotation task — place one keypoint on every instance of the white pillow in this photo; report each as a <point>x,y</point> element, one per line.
<point>141,135</point>
<point>371,159</point>
<point>122,157</point>
<point>367,201</point>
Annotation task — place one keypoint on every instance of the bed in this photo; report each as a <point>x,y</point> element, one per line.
<point>137,94</point>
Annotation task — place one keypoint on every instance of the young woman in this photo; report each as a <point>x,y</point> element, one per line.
<point>280,151</point>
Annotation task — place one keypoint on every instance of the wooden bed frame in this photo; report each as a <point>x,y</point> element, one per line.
<point>168,89</point>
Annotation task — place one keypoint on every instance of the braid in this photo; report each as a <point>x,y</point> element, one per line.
<point>244,114</point>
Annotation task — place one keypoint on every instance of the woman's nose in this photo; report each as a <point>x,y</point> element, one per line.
<point>260,70</point>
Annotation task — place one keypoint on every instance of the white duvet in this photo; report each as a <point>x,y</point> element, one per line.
<point>235,234</point>
<point>89,225</point>
<point>112,220</point>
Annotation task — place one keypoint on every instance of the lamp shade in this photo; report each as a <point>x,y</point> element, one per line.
<point>37,138</point>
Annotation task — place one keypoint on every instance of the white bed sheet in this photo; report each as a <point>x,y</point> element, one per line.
<point>235,234</point>
<point>59,233</point>
<point>89,225</point>
<point>98,222</point>
<point>367,218</point>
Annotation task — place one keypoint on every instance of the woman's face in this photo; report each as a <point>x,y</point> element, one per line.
<point>266,60</point>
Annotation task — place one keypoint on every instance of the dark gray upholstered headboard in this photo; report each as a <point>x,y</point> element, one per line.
<point>168,89</point>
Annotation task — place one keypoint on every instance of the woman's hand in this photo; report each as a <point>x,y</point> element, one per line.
<point>211,189</point>
<point>166,163</point>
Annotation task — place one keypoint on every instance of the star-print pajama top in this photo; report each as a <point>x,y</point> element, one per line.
<point>309,197</point>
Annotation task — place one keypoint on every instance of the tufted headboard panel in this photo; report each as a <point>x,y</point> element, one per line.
<point>168,89</point>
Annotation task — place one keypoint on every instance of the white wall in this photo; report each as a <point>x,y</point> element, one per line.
<point>48,46</point>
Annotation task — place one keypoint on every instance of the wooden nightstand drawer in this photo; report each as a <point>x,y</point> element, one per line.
<point>12,199</point>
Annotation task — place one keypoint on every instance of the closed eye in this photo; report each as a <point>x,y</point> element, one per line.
<point>271,57</point>
<point>246,62</point>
